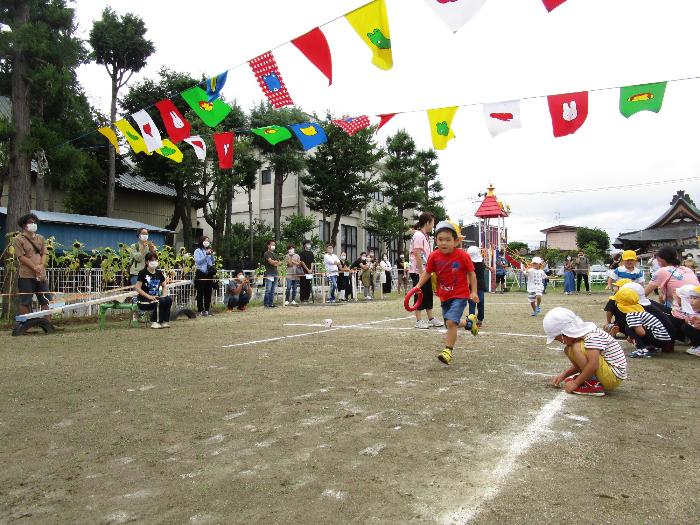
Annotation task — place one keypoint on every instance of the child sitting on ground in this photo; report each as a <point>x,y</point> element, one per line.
<point>598,363</point>
<point>686,310</point>
<point>535,284</point>
<point>456,284</point>
<point>648,333</point>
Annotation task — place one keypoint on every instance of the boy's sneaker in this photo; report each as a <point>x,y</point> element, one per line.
<point>568,379</point>
<point>693,350</point>
<point>640,353</point>
<point>435,323</point>
<point>590,388</point>
<point>538,309</point>
<point>445,356</point>
<point>422,324</point>
<point>472,325</point>
<point>156,325</point>
<point>534,313</point>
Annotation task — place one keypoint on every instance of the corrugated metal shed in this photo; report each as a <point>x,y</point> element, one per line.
<point>134,182</point>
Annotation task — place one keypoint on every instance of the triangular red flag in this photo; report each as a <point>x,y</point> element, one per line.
<point>568,111</point>
<point>175,124</point>
<point>224,148</point>
<point>384,118</point>
<point>552,4</point>
<point>315,47</point>
<point>352,125</point>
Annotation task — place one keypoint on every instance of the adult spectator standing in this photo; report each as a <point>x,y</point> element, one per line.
<point>344,282</point>
<point>402,274</point>
<point>30,250</point>
<point>271,261</point>
<point>419,250</point>
<point>138,252</point>
<point>331,262</point>
<point>569,276</point>
<point>501,272</point>
<point>582,266</point>
<point>307,262</point>
<point>385,266</point>
<point>670,276</point>
<point>205,271</point>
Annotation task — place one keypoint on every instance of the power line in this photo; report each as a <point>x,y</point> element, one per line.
<point>606,188</point>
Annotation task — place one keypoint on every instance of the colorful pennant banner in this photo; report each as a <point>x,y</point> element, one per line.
<point>176,125</point>
<point>441,126</point>
<point>111,137</point>
<point>198,145</point>
<point>371,23</point>
<point>315,47</point>
<point>149,131</point>
<point>170,151</point>
<point>273,134</point>
<point>568,112</point>
<point>647,97</point>
<point>309,134</point>
<point>455,14</point>
<point>270,80</point>
<point>552,4</point>
<point>132,136</point>
<point>211,113</point>
<point>352,125</point>
<point>224,149</point>
<point>502,116</point>
<point>214,85</point>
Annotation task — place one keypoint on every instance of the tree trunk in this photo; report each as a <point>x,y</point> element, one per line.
<point>40,181</point>
<point>277,212</point>
<point>187,217</point>
<point>19,194</point>
<point>112,174</point>
<point>51,204</point>
<point>250,222</point>
<point>226,252</point>
<point>401,241</point>
<point>336,227</point>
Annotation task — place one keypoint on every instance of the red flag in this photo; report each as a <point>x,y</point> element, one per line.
<point>552,4</point>
<point>314,46</point>
<point>352,125</point>
<point>224,148</point>
<point>270,79</point>
<point>175,124</point>
<point>384,118</point>
<point>568,112</point>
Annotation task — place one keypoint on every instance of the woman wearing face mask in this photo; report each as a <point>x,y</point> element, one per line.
<point>344,283</point>
<point>151,286</point>
<point>30,250</point>
<point>402,272</point>
<point>138,252</point>
<point>569,276</point>
<point>362,265</point>
<point>385,266</point>
<point>307,261</point>
<point>204,275</point>
<point>293,262</point>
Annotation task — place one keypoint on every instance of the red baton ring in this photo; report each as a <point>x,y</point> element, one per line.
<point>419,299</point>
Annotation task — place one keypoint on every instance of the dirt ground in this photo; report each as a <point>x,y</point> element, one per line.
<point>230,420</point>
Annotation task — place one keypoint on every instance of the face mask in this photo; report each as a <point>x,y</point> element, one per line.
<point>401,256</point>
<point>206,244</point>
<point>291,251</point>
<point>343,256</point>
<point>307,246</point>
<point>364,258</point>
<point>240,277</point>
<point>272,247</point>
<point>31,227</point>
<point>143,237</point>
<point>386,258</point>
<point>153,264</point>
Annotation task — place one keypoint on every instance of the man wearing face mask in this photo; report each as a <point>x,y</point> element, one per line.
<point>344,283</point>
<point>30,250</point>
<point>307,261</point>
<point>138,252</point>
<point>331,262</point>
<point>238,293</point>
<point>272,261</point>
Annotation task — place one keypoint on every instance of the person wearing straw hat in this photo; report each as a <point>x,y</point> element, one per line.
<point>535,284</point>
<point>627,270</point>
<point>649,335</point>
<point>598,363</point>
<point>456,284</point>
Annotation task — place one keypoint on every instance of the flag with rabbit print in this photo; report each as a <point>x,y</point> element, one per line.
<point>568,111</point>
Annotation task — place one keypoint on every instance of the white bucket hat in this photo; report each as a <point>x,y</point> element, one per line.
<point>562,321</point>
<point>640,292</point>
<point>475,253</point>
<point>537,260</point>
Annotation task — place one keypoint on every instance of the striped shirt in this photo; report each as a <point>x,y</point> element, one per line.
<point>609,349</point>
<point>636,275</point>
<point>648,322</point>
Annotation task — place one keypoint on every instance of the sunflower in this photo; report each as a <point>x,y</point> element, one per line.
<point>77,245</point>
<point>108,250</point>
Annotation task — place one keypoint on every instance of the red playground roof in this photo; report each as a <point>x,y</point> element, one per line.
<point>490,207</point>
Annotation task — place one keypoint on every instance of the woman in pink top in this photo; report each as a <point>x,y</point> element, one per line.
<point>418,253</point>
<point>671,276</point>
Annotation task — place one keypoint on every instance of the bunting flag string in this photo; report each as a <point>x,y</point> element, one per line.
<point>456,14</point>
<point>502,116</point>
<point>270,80</point>
<point>352,125</point>
<point>214,85</point>
<point>371,23</point>
<point>198,145</point>
<point>552,4</point>
<point>647,97</point>
<point>224,149</point>
<point>273,134</point>
<point>170,151</point>
<point>568,111</point>
<point>314,46</point>
<point>149,131</point>
<point>211,113</point>
<point>309,134</point>
<point>135,140</point>
<point>441,126</point>
<point>111,137</point>
<point>177,127</point>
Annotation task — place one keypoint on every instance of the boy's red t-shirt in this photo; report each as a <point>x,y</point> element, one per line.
<point>451,271</point>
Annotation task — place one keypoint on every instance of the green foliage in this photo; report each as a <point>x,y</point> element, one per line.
<point>432,200</point>
<point>296,228</point>
<point>240,244</point>
<point>552,255</point>
<point>593,252</point>
<point>516,246</point>
<point>600,238</point>
<point>340,178</point>
<point>383,222</point>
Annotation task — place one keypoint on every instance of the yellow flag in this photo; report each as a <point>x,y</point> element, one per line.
<point>441,126</point>
<point>371,23</point>
<point>132,136</point>
<point>111,137</point>
<point>170,151</point>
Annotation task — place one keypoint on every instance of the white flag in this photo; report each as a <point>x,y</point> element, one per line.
<point>199,146</point>
<point>149,131</point>
<point>456,13</point>
<point>502,116</point>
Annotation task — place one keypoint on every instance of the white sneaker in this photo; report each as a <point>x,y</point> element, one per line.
<point>165,325</point>
<point>286,303</point>
<point>156,325</point>
<point>368,297</point>
<point>693,350</point>
<point>293,303</point>
<point>422,324</point>
<point>434,322</point>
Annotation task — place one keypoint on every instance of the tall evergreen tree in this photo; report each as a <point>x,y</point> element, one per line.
<point>38,46</point>
<point>119,44</point>
<point>341,174</point>
<point>431,198</point>
<point>401,180</point>
<point>245,169</point>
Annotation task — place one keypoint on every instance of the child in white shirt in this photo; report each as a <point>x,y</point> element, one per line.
<point>535,284</point>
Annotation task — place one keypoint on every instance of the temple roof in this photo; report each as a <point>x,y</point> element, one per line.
<point>682,210</point>
<point>490,207</point>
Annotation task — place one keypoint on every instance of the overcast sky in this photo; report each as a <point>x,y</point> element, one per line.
<point>512,49</point>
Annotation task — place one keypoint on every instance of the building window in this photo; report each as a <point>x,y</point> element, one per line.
<point>394,251</point>
<point>373,244</point>
<point>348,238</point>
<point>324,231</point>
<point>266,176</point>
<point>378,196</point>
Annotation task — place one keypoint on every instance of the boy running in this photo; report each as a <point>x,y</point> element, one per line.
<point>535,284</point>
<point>456,284</point>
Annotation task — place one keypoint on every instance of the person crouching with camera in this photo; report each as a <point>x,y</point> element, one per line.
<point>238,293</point>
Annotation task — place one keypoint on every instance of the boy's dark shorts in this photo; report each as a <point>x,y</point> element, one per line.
<point>28,287</point>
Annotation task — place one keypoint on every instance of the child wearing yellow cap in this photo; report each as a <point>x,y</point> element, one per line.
<point>648,333</point>
<point>627,270</point>
<point>686,314</point>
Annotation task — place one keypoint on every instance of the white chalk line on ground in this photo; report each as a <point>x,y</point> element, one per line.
<point>364,327</point>
<point>271,339</point>
<point>520,444</point>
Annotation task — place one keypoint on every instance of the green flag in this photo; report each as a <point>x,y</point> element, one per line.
<point>273,134</point>
<point>211,113</point>
<point>646,97</point>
